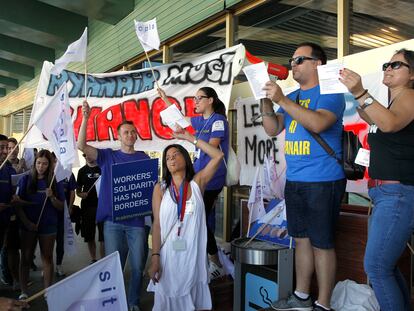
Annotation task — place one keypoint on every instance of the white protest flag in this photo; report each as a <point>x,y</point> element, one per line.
<point>147,34</point>
<point>255,203</point>
<point>62,173</point>
<point>28,156</point>
<point>56,125</point>
<point>69,242</point>
<point>76,52</point>
<point>99,286</point>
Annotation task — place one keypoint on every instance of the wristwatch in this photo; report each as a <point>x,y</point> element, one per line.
<point>367,102</point>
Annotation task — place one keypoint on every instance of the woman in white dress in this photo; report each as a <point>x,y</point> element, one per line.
<point>179,263</point>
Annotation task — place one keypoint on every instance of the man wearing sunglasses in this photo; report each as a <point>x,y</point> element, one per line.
<point>315,181</point>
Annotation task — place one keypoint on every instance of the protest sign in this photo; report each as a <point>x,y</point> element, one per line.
<point>132,186</point>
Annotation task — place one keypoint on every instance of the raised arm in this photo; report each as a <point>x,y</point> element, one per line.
<point>90,151</point>
<point>388,120</point>
<point>272,122</point>
<point>215,154</point>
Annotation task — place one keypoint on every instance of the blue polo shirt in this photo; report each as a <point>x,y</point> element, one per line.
<point>306,160</point>
<point>107,157</point>
<point>216,126</point>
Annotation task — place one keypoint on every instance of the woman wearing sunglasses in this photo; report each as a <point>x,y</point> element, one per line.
<point>179,271</point>
<point>211,126</point>
<point>391,187</point>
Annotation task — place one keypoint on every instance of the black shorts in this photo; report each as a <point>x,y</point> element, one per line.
<point>88,224</point>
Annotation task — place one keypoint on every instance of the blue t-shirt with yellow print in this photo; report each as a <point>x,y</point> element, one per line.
<point>306,160</point>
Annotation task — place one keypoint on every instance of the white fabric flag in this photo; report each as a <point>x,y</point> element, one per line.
<point>255,203</point>
<point>147,33</point>
<point>28,156</point>
<point>69,240</point>
<point>62,173</point>
<point>56,125</point>
<point>99,286</point>
<point>273,185</point>
<point>76,52</point>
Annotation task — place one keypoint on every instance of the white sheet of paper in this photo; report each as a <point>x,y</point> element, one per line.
<point>257,76</point>
<point>15,178</point>
<point>329,79</point>
<point>362,157</point>
<point>172,117</point>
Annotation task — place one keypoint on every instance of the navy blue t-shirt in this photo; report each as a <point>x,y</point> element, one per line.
<point>107,157</point>
<point>216,126</point>
<point>6,191</point>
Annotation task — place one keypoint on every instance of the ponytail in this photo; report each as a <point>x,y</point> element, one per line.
<point>218,105</point>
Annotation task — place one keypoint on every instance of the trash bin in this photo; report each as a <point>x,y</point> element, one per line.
<point>263,273</point>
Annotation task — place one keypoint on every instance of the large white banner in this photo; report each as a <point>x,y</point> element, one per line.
<point>131,95</point>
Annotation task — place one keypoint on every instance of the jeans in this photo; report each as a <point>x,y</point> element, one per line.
<point>121,238</point>
<point>389,229</point>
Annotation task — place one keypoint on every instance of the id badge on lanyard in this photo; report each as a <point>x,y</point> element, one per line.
<point>179,244</point>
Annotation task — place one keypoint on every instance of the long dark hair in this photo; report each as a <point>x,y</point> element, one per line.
<point>189,169</point>
<point>218,105</point>
<point>32,185</point>
<point>409,58</point>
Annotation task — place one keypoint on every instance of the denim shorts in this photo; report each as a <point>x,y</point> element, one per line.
<point>312,210</point>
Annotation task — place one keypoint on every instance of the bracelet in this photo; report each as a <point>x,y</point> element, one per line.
<point>195,142</point>
<point>156,254</point>
<point>268,114</point>
<point>363,93</point>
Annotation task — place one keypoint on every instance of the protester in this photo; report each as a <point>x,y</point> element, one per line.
<point>86,190</point>
<point>179,270</point>
<point>212,127</point>
<point>6,211</point>
<point>127,234</point>
<point>18,164</point>
<point>315,181</point>
<point>8,304</point>
<point>33,190</point>
<point>391,169</point>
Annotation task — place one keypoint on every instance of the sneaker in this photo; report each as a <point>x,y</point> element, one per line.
<point>23,296</point>
<point>319,308</point>
<point>59,271</point>
<point>215,271</point>
<point>293,303</point>
<point>6,282</point>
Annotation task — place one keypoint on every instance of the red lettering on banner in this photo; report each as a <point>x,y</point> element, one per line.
<point>108,120</point>
<point>356,128</point>
<point>138,112</point>
<point>90,129</point>
<point>189,105</point>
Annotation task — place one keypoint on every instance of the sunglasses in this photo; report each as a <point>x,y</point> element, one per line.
<point>198,98</point>
<point>300,59</point>
<point>394,65</point>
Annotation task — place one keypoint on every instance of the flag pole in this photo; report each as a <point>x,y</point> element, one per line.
<point>15,147</point>
<point>44,202</point>
<point>152,70</point>
<point>86,81</point>
<point>94,184</point>
<point>35,296</point>
<point>262,227</point>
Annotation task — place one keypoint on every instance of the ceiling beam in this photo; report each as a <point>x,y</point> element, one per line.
<point>16,70</point>
<point>108,11</point>
<point>24,52</point>
<point>9,83</point>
